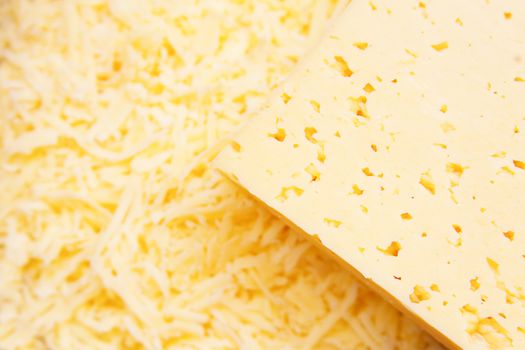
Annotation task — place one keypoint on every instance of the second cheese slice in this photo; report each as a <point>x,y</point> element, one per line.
<point>400,146</point>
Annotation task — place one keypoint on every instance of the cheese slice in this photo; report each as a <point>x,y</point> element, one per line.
<point>399,144</point>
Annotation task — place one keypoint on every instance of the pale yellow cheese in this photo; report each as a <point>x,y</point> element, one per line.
<point>400,146</point>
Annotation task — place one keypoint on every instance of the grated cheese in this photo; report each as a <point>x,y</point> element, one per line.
<point>113,231</point>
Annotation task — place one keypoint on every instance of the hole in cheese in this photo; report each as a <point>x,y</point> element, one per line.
<point>392,250</point>
<point>419,294</point>
<point>279,135</point>
<point>509,235</point>
<point>342,66</point>
<point>285,191</point>
<point>313,171</point>
<point>440,46</point>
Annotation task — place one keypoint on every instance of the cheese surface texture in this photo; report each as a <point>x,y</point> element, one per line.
<point>114,231</point>
<point>399,145</point>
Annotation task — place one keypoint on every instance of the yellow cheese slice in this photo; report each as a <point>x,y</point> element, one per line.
<point>399,144</point>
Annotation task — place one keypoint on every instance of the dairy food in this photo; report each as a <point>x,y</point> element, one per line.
<point>114,232</point>
<point>399,146</point>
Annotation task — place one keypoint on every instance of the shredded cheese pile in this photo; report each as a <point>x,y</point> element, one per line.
<point>114,231</point>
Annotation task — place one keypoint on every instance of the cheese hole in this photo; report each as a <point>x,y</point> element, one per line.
<point>392,250</point>
<point>314,173</point>
<point>359,107</point>
<point>494,266</point>
<point>321,155</point>
<point>356,190</point>
<point>426,181</point>
<point>406,216</point>
<point>315,105</point>
<point>492,331</point>
<point>285,98</point>
<point>309,133</point>
<point>286,191</point>
<point>279,135</point>
<point>419,294</point>
<point>332,222</point>
<point>469,308</point>
<point>440,46</point>
<point>519,164</point>
<point>509,235</point>
<point>361,45</point>
<point>361,99</point>
<point>367,172</point>
<point>368,88</point>
<point>455,168</point>
<point>342,66</point>
<point>474,284</point>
